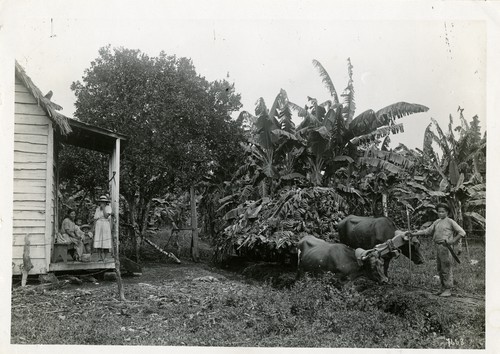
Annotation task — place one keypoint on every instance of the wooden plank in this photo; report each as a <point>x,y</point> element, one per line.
<point>29,223</point>
<point>32,119</point>
<point>26,108</point>
<point>30,138</point>
<point>20,87</point>
<point>31,148</point>
<point>29,230</point>
<point>35,252</point>
<point>29,197</point>
<point>29,157</point>
<point>25,97</point>
<point>21,183</point>
<point>35,239</point>
<point>29,190</point>
<point>30,174</point>
<point>30,165</point>
<point>61,266</point>
<point>31,129</point>
<point>29,205</point>
<point>40,266</point>
<point>29,215</point>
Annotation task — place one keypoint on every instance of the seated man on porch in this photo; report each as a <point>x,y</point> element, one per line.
<point>72,235</point>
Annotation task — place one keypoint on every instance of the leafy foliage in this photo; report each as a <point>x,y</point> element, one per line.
<point>178,124</point>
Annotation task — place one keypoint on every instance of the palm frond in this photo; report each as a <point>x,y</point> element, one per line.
<point>391,156</point>
<point>462,118</point>
<point>385,143</point>
<point>443,143</point>
<point>451,136</point>
<point>478,218</point>
<point>326,80</point>
<point>335,123</point>
<point>260,107</point>
<point>343,158</point>
<point>348,95</point>
<point>399,110</point>
<point>378,163</point>
<point>364,123</point>
<point>428,139</point>
<point>378,133</point>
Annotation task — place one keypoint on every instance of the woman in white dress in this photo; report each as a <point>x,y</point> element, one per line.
<point>102,236</point>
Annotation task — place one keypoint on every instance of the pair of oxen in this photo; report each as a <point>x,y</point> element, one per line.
<point>366,248</point>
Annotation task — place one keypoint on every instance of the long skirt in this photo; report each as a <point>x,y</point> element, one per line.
<point>102,237</point>
<point>73,242</point>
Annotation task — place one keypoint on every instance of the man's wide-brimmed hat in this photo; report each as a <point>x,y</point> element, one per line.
<point>85,226</point>
<point>103,198</point>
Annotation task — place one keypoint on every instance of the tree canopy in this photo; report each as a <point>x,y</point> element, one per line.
<point>178,123</point>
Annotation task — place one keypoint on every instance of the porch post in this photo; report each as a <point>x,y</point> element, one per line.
<point>114,176</point>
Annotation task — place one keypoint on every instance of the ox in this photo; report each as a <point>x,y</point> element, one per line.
<point>367,232</point>
<point>315,255</point>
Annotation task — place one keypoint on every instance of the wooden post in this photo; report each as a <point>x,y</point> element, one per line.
<point>194,228</point>
<point>114,176</point>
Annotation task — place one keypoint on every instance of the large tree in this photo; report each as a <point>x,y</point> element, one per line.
<point>178,124</point>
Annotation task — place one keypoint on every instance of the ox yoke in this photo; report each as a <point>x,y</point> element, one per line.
<point>393,244</point>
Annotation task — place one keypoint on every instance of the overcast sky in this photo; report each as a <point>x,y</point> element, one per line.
<point>422,59</point>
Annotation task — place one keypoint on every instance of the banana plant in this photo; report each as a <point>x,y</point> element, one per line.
<point>333,132</point>
<point>461,165</point>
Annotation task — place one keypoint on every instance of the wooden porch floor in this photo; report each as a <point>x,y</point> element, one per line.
<point>95,263</point>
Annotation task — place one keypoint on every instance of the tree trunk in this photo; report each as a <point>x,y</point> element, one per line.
<point>132,221</point>
<point>194,227</point>
<point>384,204</point>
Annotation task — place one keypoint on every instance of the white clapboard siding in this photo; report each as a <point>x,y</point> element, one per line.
<point>23,230</point>
<point>29,157</point>
<point>20,87</point>
<point>32,119</point>
<point>25,97</point>
<point>33,129</point>
<point>21,183</point>
<point>30,165</point>
<point>30,174</point>
<point>29,189</point>
<point>30,138</point>
<point>25,108</point>
<point>39,266</point>
<point>29,205</point>
<point>29,223</point>
<point>29,197</point>
<point>30,147</point>
<point>29,215</point>
<point>35,239</point>
<point>35,252</point>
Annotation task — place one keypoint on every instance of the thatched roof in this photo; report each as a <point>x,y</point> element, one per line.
<point>51,108</point>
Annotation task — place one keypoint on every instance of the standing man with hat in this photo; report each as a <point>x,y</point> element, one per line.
<point>102,217</point>
<point>445,232</point>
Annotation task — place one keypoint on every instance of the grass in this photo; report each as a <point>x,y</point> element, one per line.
<point>168,305</point>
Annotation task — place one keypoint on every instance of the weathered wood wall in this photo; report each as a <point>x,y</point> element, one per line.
<point>33,181</point>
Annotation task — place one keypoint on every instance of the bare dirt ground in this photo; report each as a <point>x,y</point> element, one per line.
<point>196,304</point>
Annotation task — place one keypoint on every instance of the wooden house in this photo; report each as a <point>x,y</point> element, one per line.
<point>38,131</point>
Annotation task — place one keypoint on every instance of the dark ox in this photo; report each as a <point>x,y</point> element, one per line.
<point>315,255</point>
<point>367,232</point>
